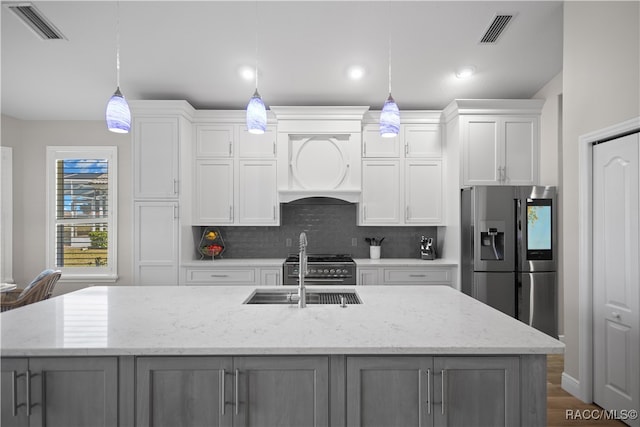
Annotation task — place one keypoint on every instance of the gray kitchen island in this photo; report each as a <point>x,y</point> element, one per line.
<point>196,356</point>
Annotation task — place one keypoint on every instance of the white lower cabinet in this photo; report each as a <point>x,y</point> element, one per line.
<point>247,275</point>
<point>433,391</point>
<point>236,276</point>
<point>427,275</point>
<point>59,391</point>
<point>156,243</point>
<point>271,277</point>
<point>232,391</point>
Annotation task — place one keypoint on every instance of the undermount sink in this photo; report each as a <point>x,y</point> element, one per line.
<point>283,296</point>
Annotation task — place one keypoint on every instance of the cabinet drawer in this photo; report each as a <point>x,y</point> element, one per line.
<point>416,276</point>
<point>222,276</point>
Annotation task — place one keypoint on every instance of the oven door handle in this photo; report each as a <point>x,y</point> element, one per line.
<point>310,280</point>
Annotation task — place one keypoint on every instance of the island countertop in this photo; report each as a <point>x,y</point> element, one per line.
<point>212,320</point>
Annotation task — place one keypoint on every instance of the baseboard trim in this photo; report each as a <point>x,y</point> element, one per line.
<point>572,386</point>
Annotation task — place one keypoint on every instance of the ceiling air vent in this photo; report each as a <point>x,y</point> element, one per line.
<point>496,28</point>
<point>34,19</point>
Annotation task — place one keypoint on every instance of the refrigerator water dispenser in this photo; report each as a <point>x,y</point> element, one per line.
<point>492,245</point>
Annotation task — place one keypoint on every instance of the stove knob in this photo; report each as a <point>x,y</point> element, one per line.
<point>332,271</point>
<point>326,271</point>
<point>312,271</point>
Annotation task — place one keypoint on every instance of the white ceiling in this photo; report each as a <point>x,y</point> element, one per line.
<point>193,50</point>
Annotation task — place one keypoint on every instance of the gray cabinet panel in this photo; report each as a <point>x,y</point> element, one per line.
<point>74,392</point>
<point>282,391</point>
<point>12,393</point>
<point>183,391</point>
<point>388,391</point>
<point>478,391</point>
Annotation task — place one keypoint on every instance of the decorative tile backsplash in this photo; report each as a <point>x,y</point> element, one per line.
<point>331,228</point>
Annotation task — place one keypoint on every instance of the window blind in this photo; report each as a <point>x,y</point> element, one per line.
<point>82,212</point>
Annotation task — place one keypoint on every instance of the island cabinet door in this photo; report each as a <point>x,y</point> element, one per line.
<point>389,391</point>
<point>478,391</point>
<point>184,391</point>
<point>12,393</point>
<point>80,391</point>
<point>281,391</point>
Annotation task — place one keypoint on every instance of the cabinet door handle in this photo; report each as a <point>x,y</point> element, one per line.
<point>231,213</point>
<point>221,391</point>
<point>219,275</point>
<point>237,383</point>
<point>14,393</point>
<point>176,214</point>
<point>274,212</point>
<point>417,275</point>
<point>406,149</point>
<point>364,149</point>
<point>428,391</point>
<point>175,186</point>
<point>230,149</point>
<point>364,213</point>
<point>28,392</point>
<point>407,213</point>
<point>616,315</point>
<point>274,148</point>
<point>443,372</point>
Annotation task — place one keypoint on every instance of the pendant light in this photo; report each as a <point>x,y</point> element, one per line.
<point>256,111</point>
<point>390,115</point>
<point>118,114</point>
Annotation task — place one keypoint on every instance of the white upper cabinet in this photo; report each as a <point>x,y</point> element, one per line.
<point>257,193</point>
<point>423,192</point>
<point>500,150</point>
<point>373,145</point>
<point>422,140</point>
<point>402,177</point>
<point>213,203</point>
<point>215,140</point>
<point>156,157</point>
<point>498,138</point>
<point>234,173</point>
<point>380,203</point>
<point>257,146</point>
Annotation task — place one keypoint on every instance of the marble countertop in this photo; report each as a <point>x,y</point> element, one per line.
<point>212,320</point>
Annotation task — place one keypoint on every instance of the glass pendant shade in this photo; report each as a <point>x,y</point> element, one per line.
<point>256,114</point>
<point>118,113</point>
<point>389,119</point>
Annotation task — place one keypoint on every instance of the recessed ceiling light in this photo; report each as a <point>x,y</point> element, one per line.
<point>465,72</point>
<point>247,72</point>
<point>355,73</point>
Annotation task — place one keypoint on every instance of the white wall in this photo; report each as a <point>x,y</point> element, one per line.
<point>601,87</point>
<point>551,166</point>
<point>29,140</point>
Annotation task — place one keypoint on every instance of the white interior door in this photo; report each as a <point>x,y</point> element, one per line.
<point>616,279</point>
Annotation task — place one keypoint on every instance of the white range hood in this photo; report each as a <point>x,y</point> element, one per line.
<point>319,152</point>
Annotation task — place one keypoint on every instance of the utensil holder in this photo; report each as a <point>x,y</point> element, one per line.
<point>374,252</point>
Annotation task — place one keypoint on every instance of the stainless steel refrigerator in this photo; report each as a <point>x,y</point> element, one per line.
<point>509,251</point>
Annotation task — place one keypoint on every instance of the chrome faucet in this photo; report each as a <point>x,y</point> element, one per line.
<point>302,271</point>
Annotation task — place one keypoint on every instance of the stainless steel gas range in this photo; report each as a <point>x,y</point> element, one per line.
<point>323,269</point>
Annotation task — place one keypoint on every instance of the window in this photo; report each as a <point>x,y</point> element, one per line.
<point>81,200</point>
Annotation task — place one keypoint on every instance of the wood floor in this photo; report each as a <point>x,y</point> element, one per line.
<point>559,401</point>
